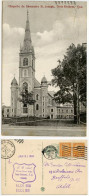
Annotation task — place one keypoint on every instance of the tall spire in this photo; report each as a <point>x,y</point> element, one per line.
<point>27,23</point>
<point>27,15</point>
<point>27,44</point>
<point>27,38</point>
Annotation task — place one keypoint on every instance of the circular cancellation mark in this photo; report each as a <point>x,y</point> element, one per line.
<point>7,149</point>
<point>50,152</point>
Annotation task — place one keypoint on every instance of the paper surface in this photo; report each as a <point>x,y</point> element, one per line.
<point>44,167</point>
<point>35,37</point>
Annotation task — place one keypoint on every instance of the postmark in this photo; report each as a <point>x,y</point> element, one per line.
<point>20,141</point>
<point>50,152</point>
<point>7,149</point>
<point>66,150</point>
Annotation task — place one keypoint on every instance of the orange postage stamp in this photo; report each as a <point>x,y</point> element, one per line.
<point>74,150</point>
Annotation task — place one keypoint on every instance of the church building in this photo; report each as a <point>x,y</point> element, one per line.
<point>44,99</point>
<point>44,105</point>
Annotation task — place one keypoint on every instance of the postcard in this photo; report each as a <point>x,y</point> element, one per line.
<point>44,167</point>
<point>44,60</point>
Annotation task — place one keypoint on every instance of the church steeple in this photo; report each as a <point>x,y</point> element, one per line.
<point>27,15</point>
<point>27,29</point>
<point>27,44</point>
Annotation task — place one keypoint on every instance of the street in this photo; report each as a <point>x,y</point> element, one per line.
<point>43,130</point>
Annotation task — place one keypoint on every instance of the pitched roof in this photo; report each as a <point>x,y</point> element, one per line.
<point>44,80</point>
<point>51,93</point>
<point>36,83</point>
<point>14,82</point>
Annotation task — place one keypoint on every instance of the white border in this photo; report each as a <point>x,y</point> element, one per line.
<point>51,138</point>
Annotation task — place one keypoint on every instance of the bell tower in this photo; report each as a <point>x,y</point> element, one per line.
<point>27,66</point>
<point>27,60</point>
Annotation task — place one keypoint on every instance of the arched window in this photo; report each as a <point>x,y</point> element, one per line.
<point>25,73</point>
<point>25,61</point>
<point>25,86</point>
<point>37,97</point>
<point>25,109</point>
<point>37,107</point>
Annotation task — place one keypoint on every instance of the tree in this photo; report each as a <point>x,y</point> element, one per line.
<point>70,77</point>
<point>26,98</point>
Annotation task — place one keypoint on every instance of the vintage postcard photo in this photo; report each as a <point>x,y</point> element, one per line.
<point>44,60</point>
<point>44,167</point>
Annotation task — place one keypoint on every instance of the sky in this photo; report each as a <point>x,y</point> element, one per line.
<point>52,31</point>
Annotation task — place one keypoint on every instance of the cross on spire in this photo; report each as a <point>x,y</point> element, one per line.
<point>27,15</point>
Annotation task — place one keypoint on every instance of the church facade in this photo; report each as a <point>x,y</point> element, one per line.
<point>44,99</point>
<point>44,105</point>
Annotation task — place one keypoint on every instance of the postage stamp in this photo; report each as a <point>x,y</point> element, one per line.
<point>73,150</point>
<point>66,150</point>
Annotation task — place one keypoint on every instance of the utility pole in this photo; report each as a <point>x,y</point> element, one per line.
<point>77,92</point>
<point>78,109</point>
